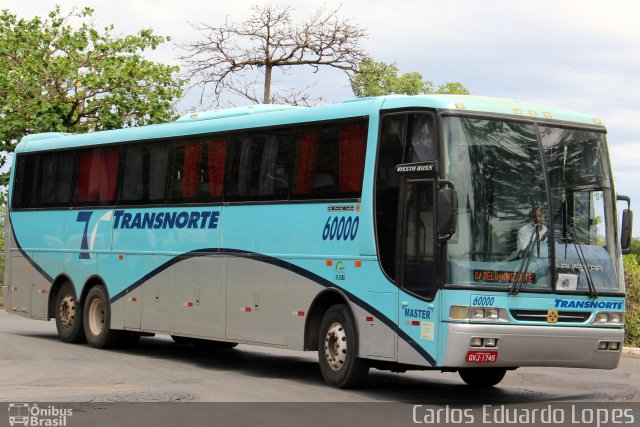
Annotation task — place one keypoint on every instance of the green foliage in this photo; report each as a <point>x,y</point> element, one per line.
<point>632,277</point>
<point>375,78</point>
<point>3,211</point>
<point>57,77</point>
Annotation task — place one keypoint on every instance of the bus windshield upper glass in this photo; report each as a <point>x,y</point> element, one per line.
<point>504,234</point>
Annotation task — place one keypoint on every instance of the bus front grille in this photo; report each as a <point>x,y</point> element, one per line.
<point>541,316</point>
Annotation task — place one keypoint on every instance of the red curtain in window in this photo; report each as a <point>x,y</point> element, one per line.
<point>352,150</point>
<point>88,176</point>
<point>217,159</point>
<point>191,170</point>
<point>97,175</point>
<point>109,174</point>
<point>306,164</point>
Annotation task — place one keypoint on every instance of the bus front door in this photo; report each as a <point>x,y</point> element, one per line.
<point>416,255</point>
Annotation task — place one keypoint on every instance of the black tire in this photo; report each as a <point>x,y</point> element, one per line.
<point>337,349</point>
<point>69,315</point>
<point>97,319</point>
<point>482,377</point>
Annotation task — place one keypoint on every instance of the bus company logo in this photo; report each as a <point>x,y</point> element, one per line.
<point>147,220</point>
<point>340,271</point>
<point>607,305</point>
<point>164,220</point>
<point>25,414</point>
<point>552,316</point>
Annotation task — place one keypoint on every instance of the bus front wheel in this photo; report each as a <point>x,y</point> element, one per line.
<point>97,319</point>
<point>339,364</point>
<point>482,377</point>
<point>69,315</point>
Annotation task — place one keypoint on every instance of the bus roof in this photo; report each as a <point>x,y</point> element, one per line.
<point>257,116</point>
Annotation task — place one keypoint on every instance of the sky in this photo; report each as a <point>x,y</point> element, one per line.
<point>581,55</point>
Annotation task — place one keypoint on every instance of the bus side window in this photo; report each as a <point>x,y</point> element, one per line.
<point>352,150</point>
<point>23,181</point>
<point>330,161</point>
<point>421,146</point>
<point>197,173</point>
<point>144,172</point>
<point>44,180</point>
<point>96,176</point>
<point>259,166</point>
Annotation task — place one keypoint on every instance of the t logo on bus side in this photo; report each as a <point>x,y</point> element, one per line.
<point>88,240</point>
<point>84,216</point>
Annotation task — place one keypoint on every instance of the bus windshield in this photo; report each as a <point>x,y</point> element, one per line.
<point>505,223</point>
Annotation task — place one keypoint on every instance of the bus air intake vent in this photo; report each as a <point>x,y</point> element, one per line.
<point>541,316</point>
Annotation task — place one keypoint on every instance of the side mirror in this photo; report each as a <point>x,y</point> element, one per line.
<point>627,226</point>
<point>625,233</point>
<point>447,213</point>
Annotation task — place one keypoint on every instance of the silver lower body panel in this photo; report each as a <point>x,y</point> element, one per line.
<point>519,346</point>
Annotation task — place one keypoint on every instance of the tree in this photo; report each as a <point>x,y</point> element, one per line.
<point>225,56</point>
<point>632,279</point>
<point>374,78</point>
<point>54,77</point>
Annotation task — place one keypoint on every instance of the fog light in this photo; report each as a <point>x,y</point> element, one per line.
<point>476,342</point>
<point>614,346</point>
<point>603,345</point>
<point>493,314</point>
<point>477,313</point>
<point>601,318</point>
<point>490,342</point>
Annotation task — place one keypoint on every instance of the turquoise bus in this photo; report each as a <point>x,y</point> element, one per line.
<point>455,233</point>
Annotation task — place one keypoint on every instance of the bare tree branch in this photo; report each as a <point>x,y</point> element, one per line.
<point>269,39</point>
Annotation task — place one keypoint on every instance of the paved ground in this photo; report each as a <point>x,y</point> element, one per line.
<point>36,366</point>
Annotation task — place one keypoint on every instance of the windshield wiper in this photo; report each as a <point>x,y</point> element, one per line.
<point>518,280</point>
<point>593,293</point>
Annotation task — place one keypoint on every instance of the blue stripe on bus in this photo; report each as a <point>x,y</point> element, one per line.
<point>24,254</point>
<point>287,266</point>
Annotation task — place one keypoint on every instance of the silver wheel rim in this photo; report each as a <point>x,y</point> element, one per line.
<point>67,310</point>
<point>335,346</point>
<point>96,317</point>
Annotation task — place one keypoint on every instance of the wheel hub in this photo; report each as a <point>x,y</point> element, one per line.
<point>96,317</point>
<point>335,346</point>
<point>67,310</point>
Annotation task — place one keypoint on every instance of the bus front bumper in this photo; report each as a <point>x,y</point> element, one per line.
<point>516,346</point>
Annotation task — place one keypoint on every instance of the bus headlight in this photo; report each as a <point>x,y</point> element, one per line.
<point>477,313</point>
<point>493,314</point>
<point>608,318</point>
<point>616,318</point>
<point>463,312</point>
<point>601,318</point>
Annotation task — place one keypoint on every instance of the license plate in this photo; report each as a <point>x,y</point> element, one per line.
<point>482,356</point>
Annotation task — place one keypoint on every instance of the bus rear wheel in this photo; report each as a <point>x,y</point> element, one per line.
<point>337,349</point>
<point>69,315</point>
<point>482,377</point>
<point>97,319</point>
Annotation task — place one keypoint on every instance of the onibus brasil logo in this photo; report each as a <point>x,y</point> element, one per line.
<point>25,414</point>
